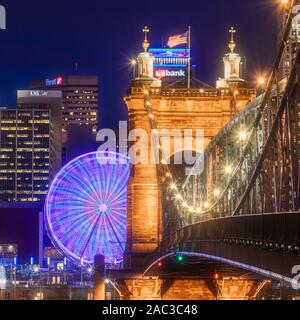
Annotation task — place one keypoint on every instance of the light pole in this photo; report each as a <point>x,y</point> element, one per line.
<point>48,262</point>
<point>31,270</point>
<point>65,270</point>
<point>81,273</point>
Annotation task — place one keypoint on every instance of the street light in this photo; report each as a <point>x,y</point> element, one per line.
<point>261,81</point>
<point>133,63</point>
<point>89,270</point>
<point>283,5</point>
<point>36,268</point>
<point>284,2</point>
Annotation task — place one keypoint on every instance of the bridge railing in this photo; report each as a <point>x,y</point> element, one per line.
<point>272,232</point>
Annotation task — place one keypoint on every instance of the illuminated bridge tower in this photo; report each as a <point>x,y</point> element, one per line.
<point>173,108</point>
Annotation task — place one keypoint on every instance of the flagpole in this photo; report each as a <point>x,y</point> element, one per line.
<point>189,65</point>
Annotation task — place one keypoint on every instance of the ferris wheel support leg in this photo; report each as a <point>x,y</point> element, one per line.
<point>99,278</point>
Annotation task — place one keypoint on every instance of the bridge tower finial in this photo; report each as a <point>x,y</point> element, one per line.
<point>146,43</point>
<point>232,44</point>
<point>232,66</point>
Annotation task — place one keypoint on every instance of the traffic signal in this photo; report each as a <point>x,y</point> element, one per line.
<point>180,259</point>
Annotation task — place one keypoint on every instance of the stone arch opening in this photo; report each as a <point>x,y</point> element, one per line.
<point>172,215</point>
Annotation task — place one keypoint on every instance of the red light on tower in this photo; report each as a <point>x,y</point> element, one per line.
<point>160,264</point>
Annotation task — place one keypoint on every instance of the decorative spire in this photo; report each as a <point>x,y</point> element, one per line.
<point>146,43</point>
<point>232,44</point>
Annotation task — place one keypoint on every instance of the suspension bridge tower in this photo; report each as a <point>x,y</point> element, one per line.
<point>173,108</point>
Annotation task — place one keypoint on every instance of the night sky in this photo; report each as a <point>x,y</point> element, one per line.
<point>46,38</point>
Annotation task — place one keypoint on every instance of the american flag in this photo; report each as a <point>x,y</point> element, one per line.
<point>178,39</point>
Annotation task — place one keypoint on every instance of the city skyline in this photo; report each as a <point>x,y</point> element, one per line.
<point>196,195</point>
<point>81,37</point>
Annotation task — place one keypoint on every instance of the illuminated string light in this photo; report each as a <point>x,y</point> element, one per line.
<point>184,204</point>
<point>228,169</point>
<point>242,135</point>
<point>173,186</point>
<point>217,192</point>
<point>178,197</point>
<point>206,205</point>
<point>191,209</point>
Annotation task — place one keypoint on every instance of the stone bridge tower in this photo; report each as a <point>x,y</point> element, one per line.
<point>174,108</point>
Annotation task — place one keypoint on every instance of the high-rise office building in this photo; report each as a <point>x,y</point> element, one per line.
<point>47,101</point>
<point>30,146</point>
<point>79,114</point>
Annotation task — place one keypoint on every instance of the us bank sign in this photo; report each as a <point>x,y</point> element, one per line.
<point>2,17</point>
<point>166,73</point>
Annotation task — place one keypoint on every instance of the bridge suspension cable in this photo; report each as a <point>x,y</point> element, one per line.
<point>237,174</point>
<point>248,169</point>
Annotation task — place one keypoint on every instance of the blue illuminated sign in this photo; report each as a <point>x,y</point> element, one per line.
<point>170,58</point>
<point>169,53</point>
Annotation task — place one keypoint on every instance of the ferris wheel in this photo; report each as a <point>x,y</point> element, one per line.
<point>85,210</point>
